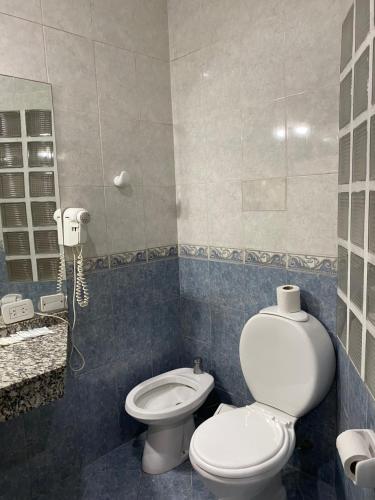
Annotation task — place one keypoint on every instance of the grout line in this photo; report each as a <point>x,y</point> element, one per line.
<point>44,42</point>
<point>350,68</point>
<point>103,186</point>
<point>142,186</point>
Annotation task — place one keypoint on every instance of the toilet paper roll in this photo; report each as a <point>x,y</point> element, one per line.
<point>288,298</point>
<point>352,448</point>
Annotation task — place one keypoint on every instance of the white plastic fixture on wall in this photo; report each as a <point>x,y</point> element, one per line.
<point>122,180</point>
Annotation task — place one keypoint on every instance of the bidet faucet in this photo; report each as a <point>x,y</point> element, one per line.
<point>198,366</point>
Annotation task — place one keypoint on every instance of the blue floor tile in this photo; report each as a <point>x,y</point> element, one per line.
<point>173,485</point>
<point>15,483</point>
<point>105,482</point>
<point>118,476</point>
<point>199,490</point>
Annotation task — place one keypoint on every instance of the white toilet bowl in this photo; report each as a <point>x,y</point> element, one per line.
<point>239,453</point>
<point>166,403</point>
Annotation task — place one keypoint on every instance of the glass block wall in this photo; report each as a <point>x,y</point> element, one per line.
<point>28,194</point>
<point>356,197</point>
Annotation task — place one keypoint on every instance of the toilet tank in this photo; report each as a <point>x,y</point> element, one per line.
<point>287,364</point>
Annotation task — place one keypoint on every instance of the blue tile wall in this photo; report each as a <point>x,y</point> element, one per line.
<point>227,284</point>
<point>129,332</point>
<point>133,335</point>
<point>260,283</point>
<point>196,320</point>
<point>32,290</point>
<point>318,296</point>
<point>227,325</point>
<point>315,440</point>
<point>99,285</point>
<point>131,288</point>
<point>96,339</point>
<point>165,280</point>
<point>194,279</point>
<point>166,337</point>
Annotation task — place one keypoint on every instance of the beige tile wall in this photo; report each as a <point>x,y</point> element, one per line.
<point>255,113</point>
<point>108,62</point>
<point>254,99</point>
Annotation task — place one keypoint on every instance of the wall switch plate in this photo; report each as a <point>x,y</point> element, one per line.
<point>52,303</point>
<point>17,311</point>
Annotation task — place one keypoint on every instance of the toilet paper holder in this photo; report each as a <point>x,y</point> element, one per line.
<point>356,448</point>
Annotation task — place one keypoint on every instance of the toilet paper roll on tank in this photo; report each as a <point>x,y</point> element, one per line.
<point>288,298</point>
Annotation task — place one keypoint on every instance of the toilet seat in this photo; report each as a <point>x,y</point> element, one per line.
<point>243,443</point>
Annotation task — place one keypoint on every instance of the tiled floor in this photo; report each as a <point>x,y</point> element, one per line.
<point>118,476</point>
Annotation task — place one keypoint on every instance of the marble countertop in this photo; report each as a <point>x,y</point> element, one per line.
<point>33,357</point>
<point>32,371</point>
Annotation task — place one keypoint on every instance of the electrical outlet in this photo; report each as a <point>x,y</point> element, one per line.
<point>17,311</point>
<point>52,303</point>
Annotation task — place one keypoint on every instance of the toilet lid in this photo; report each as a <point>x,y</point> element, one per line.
<point>238,439</point>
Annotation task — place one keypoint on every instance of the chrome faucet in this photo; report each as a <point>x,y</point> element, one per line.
<point>198,366</point>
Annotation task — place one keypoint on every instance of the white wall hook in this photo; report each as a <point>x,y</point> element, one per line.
<point>122,180</point>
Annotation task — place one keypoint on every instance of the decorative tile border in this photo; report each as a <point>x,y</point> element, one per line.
<point>96,264</point>
<point>114,261</point>
<point>312,263</point>
<point>296,262</point>
<point>164,252</point>
<point>196,251</point>
<point>227,254</point>
<point>90,265</point>
<point>265,258</point>
<point>127,258</point>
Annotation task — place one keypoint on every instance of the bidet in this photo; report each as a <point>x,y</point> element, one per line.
<point>166,403</point>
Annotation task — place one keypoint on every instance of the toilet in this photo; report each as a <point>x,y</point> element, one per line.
<point>166,403</point>
<point>288,362</point>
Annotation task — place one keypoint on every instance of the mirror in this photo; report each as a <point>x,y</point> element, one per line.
<point>29,194</point>
<point>33,341</point>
